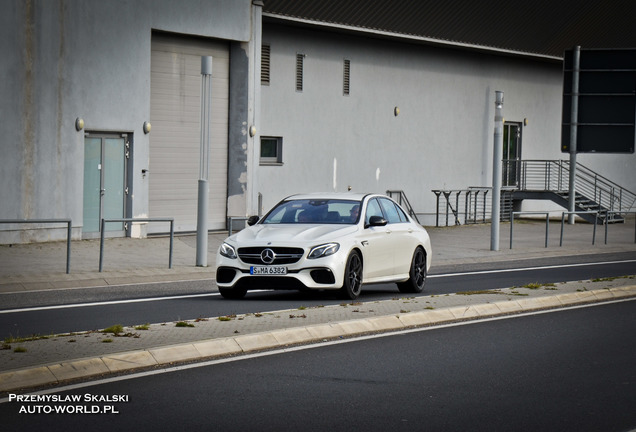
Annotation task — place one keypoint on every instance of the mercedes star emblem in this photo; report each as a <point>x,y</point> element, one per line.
<point>268,256</point>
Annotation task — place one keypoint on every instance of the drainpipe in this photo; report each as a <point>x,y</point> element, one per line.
<point>574,118</point>
<point>253,195</point>
<point>497,155</point>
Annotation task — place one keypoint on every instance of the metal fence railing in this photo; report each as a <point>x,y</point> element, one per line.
<point>105,221</point>
<point>470,206</point>
<point>512,223</point>
<point>68,223</point>
<point>623,214</point>
<point>579,213</point>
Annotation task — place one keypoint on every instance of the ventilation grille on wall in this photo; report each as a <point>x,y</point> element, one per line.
<point>346,76</point>
<point>300,58</point>
<point>265,51</point>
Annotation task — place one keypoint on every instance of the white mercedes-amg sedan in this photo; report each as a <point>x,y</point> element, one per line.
<point>334,241</point>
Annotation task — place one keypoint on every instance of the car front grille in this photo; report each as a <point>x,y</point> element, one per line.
<point>282,255</point>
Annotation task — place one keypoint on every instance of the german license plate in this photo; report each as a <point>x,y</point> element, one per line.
<point>268,270</point>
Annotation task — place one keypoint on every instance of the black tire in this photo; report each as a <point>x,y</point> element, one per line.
<point>417,274</point>
<point>352,284</point>
<point>233,293</point>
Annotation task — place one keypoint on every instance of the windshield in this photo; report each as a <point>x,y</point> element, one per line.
<point>314,211</point>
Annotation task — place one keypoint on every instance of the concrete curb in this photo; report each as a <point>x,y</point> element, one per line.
<point>243,344</point>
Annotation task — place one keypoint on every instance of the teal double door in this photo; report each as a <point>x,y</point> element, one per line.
<point>105,183</point>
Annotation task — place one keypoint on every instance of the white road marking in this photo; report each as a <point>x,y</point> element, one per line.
<point>529,268</point>
<point>151,299</point>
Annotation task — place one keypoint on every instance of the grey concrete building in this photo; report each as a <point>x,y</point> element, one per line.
<point>305,97</point>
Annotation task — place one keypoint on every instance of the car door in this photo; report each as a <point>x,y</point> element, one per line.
<point>376,245</point>
<point>402,239</point>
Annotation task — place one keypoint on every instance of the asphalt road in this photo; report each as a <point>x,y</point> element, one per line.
<point>566,370</point>
<point>102,307</point>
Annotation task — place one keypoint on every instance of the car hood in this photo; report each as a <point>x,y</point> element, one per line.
<point>292,233</point>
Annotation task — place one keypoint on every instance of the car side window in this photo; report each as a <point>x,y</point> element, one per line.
<point>403,216</point>
<point>392,214</point>
<point>373,209</point>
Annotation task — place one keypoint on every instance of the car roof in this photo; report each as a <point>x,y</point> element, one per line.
<point>354,196</point>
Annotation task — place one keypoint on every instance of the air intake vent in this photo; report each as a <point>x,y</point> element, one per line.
<point>265,52</point>
<point>300,59</point>
<point>346,77</point>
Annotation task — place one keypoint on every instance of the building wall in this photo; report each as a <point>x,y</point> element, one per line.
<point>91,59</point>
<point>442,137</point>
<point>66,59</point>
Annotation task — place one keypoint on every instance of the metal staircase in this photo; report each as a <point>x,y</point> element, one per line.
<point>549,179</point>
<point>539,180</point>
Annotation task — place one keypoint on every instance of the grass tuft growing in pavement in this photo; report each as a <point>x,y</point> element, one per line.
<point>116,329</point>
<point>537,285</point>
<point>184,324</point>
<point>477,292</point>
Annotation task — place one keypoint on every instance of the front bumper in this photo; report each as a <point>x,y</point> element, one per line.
<point>322,273</point>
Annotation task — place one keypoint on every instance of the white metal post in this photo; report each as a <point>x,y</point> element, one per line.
<point>497,156</point>
<point>204,163</point>
<point>574,118</point>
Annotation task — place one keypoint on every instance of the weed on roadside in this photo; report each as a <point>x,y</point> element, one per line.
<point>353,303</point>
<point>537,285</point>
<point>184,324</point>
<point>117,330</point>
<point>613,278</point>
<point>114,329</point>
<point>477,292</point>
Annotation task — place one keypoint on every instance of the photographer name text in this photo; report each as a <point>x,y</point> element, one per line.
<point>86,403</point>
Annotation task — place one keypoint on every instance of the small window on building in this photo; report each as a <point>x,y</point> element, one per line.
<point>300,60</point>
<point>346,76</point>
<point>265,58</point>
<point>271,151</point>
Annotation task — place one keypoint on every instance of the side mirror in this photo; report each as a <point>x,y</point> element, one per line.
<point>377,221</point>
<point>252,220</point>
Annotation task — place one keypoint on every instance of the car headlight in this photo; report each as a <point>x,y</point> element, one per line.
<point>323,250</point>
<point>228,251</point>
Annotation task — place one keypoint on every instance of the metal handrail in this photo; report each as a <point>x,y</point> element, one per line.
<point>476,204</point>
<point>68,223</point>
<point>105,221</point>
<point>575,213</point>
<point>553,175</point>
<point>623,214</point>
<point>512,223</point>
<point>403,201</point>
<point>447,194</point>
